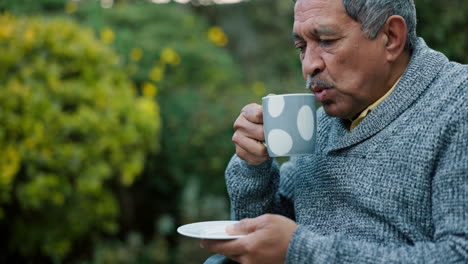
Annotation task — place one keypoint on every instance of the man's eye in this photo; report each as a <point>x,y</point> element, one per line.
<point>326,42</point>
<point>300,48</point>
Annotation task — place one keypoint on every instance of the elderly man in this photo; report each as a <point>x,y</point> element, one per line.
<point>388,182</point>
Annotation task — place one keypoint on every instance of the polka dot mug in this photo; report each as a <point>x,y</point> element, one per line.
<point>289,124</point>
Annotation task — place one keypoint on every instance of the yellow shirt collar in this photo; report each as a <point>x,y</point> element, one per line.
<point>371,107</point>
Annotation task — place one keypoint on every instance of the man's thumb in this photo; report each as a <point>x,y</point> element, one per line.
<point>243,227</point>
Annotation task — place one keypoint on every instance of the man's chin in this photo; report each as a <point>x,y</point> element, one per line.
<point>331,109</point>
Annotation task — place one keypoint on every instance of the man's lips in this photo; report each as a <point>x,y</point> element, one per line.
<point>317,88</point>
<point>320,87</point>
<point>320,92</point>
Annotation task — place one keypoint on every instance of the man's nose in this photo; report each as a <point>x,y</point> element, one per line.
<point>312,62</point>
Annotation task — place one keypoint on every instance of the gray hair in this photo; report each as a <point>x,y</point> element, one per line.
<point>372,15</point>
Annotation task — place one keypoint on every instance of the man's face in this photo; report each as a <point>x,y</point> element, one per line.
<point>347,71</point>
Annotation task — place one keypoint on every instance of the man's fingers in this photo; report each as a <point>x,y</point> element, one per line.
<point>248,135</point>
<point>228,248</point>
<point>249,129</point>
<point>252,146</point>
<point>267,240</point>
<point>253,113</point>
<point>250,225</point>
<point>243,227</point>
<point>251,158</point>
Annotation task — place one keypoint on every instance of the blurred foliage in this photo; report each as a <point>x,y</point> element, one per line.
<point>71,132</point>
<point>30,6</point>
<point>132,250</point>
<point>261,40</point>
<point>201,64</point>
<point>199,89</point>
<point>195,79</point>
<point>444,26</point>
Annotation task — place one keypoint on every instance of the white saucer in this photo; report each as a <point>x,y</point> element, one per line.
<point>208,230</point>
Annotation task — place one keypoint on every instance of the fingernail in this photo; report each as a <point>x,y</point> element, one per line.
<point>231,229</point>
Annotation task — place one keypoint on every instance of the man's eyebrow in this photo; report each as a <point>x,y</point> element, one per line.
<point>319,31</point>
<point>324,30</point>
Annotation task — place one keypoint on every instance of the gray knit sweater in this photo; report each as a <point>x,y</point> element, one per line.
<point>392,190</point>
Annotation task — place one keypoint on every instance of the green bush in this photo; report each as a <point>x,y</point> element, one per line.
<point>72,131</point>
<point>444,26</point>
<point>170,50</point>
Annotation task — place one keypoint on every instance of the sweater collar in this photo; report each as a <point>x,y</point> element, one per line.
<point>355,122</point>
<point>423,67</point>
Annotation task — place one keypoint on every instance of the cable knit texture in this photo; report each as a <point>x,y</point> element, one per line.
<point>392,190</point>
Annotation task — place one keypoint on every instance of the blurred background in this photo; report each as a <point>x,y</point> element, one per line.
<point>116,117</point>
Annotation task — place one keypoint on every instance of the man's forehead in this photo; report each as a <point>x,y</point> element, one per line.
<point>323,17</point>
<point>306,8</point>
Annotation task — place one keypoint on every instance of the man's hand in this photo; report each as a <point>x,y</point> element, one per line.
<point>248,135</point>
<point>267,240</point>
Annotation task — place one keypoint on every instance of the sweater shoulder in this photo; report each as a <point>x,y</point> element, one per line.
<point>445,102</point>
<point>452,85</point>
<point>455,74</point>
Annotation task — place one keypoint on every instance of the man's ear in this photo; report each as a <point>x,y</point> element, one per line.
<point>394,37</point>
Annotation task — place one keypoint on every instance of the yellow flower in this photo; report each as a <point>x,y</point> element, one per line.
<point>6,30</point>
<point>156,74</point>
<point>136,54</point>
<point>29,36</point>
<point>149,89</point>
<point>217,36</point>
<point>107,35</point>
<point>259,88</point>
<point>9,164</point>
<point>148,107</point>
<point>130,171</point>
<point>39,129</point>
<point>101,101</point>
<point>71,7</point>
<point>7,24</point>
<point>169,56</point>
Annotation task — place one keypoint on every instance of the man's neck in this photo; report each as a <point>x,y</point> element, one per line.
<point>397,69</point>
